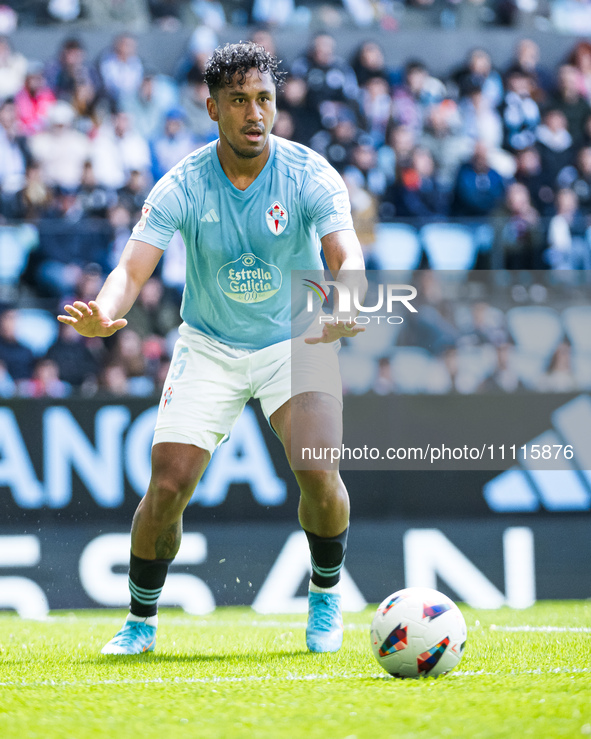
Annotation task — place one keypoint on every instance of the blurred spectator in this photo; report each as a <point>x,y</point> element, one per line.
<point>70,69</point>
<point>579,179</point>
<point>94,199</point>
<point>16,357</point>
<point>147,109</point>
<point>337,145</point>
<point>519,236</point>
<point>155,312</point>
<point>328,77</point>
<point>444,139</point>
<point>211,13</point>
<point>555,145</point>
<point>397,151</point>
<point>120,221</point>
<point>293,97</point>
<point>45,382</point>
<point>32,201</point>
<point>13,69</point>
<point>33,101</point>
<point>75,361</point>
<point>113,380</point>
<point>364,165</point>
<point>117,150</point>
<point>61,150</point>
<point>376,106</point>
<point>14,151</point>
<point>284,125</point>
<point>121,69</point>
<point>193,97</point>
<point>519,111</point>
<point>527,61</point>
<point>418,92</point>
<point>559,377</point>
<point>132,195</point>
<point>478,72</point>
<point>568,246</point>
<point>172,145</point>
<point>90,106</point>
<point>580,58</point>
<point>505,377</point>
<point>168,14</point>
<point>571,16</point>
<point>529,172</point>
<point>369,62</point>
<point>128,353</point>
<point>201,46</point>
<point>363,212</point>
<point>384,383</point>
<point>68,243</point>
<point>479,119</point>
<point>571,102</point>
<point>416,193</point>
<point>478,188</point>
<point>130,14</point>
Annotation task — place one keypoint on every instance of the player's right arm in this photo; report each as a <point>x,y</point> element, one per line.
<point>104,316</point>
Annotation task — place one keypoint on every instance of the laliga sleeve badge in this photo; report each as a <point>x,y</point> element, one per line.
<point>276,217</point>
<point>145,213</point>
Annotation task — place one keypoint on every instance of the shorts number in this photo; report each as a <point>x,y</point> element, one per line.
<point>180,363</point>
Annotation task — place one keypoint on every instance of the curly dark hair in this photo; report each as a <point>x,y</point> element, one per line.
<point>233,61</point>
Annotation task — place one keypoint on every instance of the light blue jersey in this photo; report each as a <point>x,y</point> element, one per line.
<point>242,244</point>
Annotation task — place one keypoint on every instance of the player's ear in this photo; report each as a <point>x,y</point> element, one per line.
<point>212,109</point>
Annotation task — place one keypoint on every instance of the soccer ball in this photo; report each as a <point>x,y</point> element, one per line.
<point>418,632</point>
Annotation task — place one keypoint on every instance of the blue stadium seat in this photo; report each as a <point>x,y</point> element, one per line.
<point>577,324</point>
<point>536,331</point>
<point>397,246</point>
<point>37,329</point>
<point>358,371</point>
<point>15,244</point>
<point>449,246</point>
<point>415,370</point>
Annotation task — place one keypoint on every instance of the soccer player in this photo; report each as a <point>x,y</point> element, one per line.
<point>251,207</point>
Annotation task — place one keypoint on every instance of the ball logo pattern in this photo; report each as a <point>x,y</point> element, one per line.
<point>418,632</point>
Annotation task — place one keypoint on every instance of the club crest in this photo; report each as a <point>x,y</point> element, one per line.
<point>276,217</point>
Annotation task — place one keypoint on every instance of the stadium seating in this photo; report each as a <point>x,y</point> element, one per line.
<point>37,329</point>
<point>16,242</point>
<point>577,324</point>
<point>537,331</point>
<point>397,246</point>
<point>449,246</point>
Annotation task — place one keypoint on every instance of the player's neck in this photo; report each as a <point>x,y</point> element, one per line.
<point>241,171</point>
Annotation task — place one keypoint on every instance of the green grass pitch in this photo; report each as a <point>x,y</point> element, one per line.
<point>241,675</point>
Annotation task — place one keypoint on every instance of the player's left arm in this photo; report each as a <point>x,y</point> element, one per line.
<point>344,258</point>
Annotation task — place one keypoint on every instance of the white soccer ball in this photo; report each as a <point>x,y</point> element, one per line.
<point>418,632</point>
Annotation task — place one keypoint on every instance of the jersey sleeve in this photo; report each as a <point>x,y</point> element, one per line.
<point>161,216</point>
<point>326,199</point>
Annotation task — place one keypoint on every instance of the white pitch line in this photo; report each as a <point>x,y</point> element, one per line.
<point>567,629</point>
<point>274,678</point>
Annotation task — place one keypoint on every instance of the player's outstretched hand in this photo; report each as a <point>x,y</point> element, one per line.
<point>89,319</point>
<point>333,331</point>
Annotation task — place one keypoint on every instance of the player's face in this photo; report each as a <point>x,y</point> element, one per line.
<point>245,113</point>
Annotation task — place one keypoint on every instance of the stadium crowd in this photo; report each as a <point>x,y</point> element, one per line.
<point>82,140</point>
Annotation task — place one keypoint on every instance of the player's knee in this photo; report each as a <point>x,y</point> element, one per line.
<point>171,492</point>
<point>320,484</point>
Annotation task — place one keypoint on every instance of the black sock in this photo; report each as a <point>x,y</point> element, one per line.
<point>146,580</point>
<point>327,555</point>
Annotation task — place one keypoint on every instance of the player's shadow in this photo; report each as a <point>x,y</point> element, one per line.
<point>152,658</point>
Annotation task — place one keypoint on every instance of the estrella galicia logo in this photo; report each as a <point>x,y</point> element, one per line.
<point>249,279</point>
<point>276,217</point>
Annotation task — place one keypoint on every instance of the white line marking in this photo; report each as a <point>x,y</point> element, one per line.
<point>568,629</point>
<point>275,678</point>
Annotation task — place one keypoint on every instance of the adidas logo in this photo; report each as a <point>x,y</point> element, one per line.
<point>211,217</point>
<point>524,489</point>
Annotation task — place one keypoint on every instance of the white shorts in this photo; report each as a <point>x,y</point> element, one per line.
<point>209,383</point>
